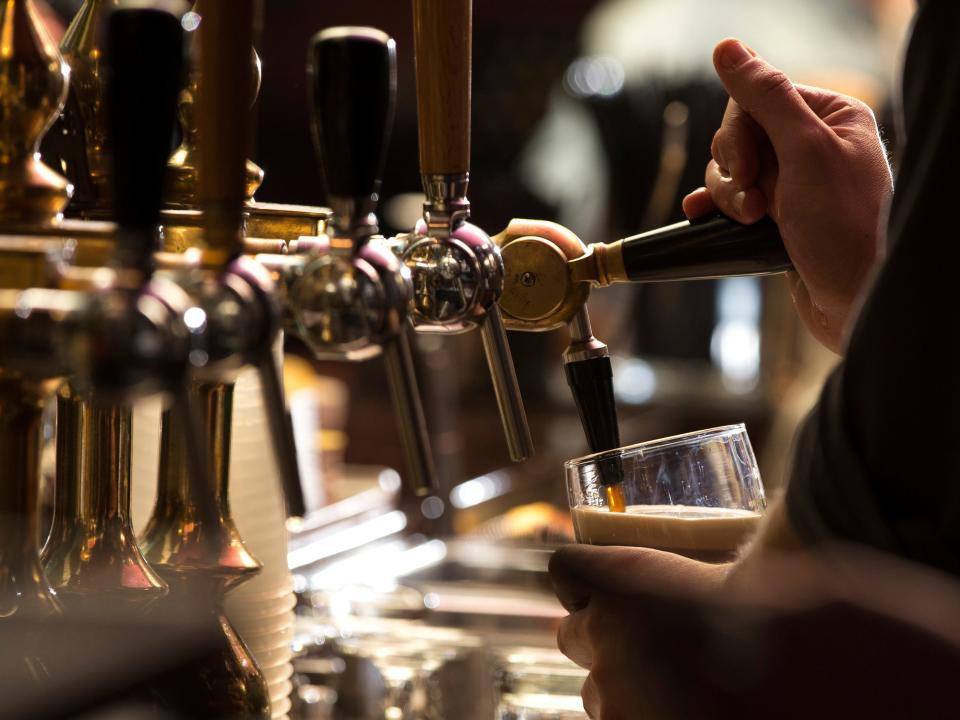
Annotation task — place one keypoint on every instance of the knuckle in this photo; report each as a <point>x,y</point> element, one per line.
<point>772,84</point>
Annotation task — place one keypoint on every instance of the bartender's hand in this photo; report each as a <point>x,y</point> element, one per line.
<point>841,633</point>
<point>811,159</point>
<point>608,634</point>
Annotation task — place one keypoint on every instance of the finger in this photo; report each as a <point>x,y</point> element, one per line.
<point>591,698</point>
<point>737,145</point>
<point>592,569</point>
<point>574,640</point>
<point>568,583</point>
<point>745,206</point>
<point>767,94</point>
<point>698,204</point>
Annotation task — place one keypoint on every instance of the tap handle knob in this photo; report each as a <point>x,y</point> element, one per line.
<point>144,58</point>
<point>442,39</point>
<point>353,88</point>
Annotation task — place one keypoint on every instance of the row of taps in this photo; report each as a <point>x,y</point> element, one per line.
<point>128,270</point>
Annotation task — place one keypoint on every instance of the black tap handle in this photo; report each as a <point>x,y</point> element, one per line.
<point>353,87</point>
<point>713,247</point>
<point>144,73</point>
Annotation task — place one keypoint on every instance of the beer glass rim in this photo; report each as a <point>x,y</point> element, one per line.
<point>688,438</point>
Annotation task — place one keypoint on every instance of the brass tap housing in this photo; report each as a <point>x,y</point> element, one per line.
<point>540,291</point>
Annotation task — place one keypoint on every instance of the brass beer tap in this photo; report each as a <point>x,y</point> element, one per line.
<point>549,274</point>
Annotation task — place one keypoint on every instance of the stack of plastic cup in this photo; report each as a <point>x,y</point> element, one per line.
<point>261,609</point>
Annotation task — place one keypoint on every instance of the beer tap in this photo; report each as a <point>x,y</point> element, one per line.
<point>91,556</point>
<point>352,302</point>
<point>550,271</point>
<point>114,330</point>
<point>457,270</point>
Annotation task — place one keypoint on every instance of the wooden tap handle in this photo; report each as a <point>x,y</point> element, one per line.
<point>442,39</point>
<point>224,120</point>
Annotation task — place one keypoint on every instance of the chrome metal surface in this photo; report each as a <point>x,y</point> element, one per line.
<point>583,345</point>
<point>455,278</point>
<point>410,419</point>
<point>516,427</point>
<point>447,205</point>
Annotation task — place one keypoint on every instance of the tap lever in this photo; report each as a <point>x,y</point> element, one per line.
<point>409,411</point>
<point>353,87</point>
<point>516,428</point>
<point>224,122</point>
<point>281,433</point>
<point>711,247</point>
<point>144,61</point>
<point>442,38</point>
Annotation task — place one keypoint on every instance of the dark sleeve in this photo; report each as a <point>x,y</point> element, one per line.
<point>876,462</point>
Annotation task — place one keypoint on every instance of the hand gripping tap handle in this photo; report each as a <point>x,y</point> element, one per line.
<point>224,124</point>
<point>353,85</point>
<point>443,35</point>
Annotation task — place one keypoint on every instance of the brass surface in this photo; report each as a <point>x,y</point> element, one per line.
<point>601,266</point>
<point>33,86</point>
<point>194,545</point>
<point>190,532</point>
<point>536,279</point>
<point>91,556</point>
<point>23,587</point>
<point>540,292</point>
<point>84,123</point>
<point>286,222</point>
<point>27,262</point>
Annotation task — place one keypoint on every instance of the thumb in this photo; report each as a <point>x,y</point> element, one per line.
<point>765,93</point>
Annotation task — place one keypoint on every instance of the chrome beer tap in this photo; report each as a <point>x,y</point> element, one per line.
<point>351,302</point>
<point>456,268</point>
